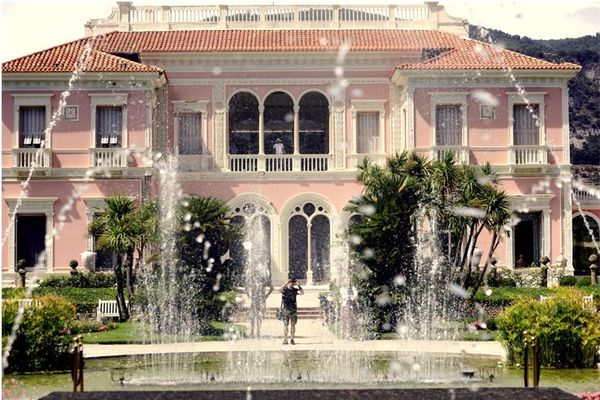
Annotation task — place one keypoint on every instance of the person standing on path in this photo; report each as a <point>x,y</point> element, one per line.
<point>289,308</point>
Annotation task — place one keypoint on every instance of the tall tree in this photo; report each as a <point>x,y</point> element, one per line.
<point>119,232</point>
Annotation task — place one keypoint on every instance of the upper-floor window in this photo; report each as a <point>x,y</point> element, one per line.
<point>190,133</point>
<point>32,124</point>
<point>313,124</point>
<point>109,126</point>
<point>448,125</point>
<point>367,132</point>
<point>368,126</point>
<point>526,128</point>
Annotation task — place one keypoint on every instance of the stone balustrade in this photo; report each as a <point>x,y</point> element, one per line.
<point>127,17</point>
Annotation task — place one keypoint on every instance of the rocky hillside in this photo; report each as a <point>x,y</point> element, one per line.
<point>584,101</point>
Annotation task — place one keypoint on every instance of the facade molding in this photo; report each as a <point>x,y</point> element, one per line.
<point>31,205</point>
<point>449,98</point>
<point>527,203</point>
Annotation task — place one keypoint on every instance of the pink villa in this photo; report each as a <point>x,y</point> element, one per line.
<point>271,108</point>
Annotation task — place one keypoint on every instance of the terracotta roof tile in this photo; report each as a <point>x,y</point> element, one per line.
<point>78,55</point>
<point>274,41</point>
<point>472,54</point>
<point>458,53</point>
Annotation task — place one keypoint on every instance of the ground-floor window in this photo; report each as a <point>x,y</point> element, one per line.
<point>254,247</point>
<point>30,238</point>
<point>309,243</point>
<point>528,239</point>
<point>583,245</point>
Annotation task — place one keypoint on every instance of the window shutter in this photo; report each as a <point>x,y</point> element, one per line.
<point>448,125</point>
<point>367,132</point>
<point>190,133</point>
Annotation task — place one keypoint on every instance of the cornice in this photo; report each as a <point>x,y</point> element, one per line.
<point>275,81</point>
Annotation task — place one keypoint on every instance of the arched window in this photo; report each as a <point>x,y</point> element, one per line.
<point>583,245</point>
<point>243,124</point>
<point>314,124</point>
<point>254,247</point>
<point>279,124</point>
<point>309,243</point>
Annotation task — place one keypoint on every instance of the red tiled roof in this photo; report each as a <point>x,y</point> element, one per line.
<point>68,57</point>
<point>275,41</point>
<point>459,53</point>
<point>472,54</point>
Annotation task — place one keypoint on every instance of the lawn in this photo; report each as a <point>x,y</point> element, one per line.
<point>130,333</point>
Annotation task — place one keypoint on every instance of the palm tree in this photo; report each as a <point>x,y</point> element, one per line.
<point>119,232</point>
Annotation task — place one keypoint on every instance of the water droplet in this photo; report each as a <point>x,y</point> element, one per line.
<point>416,367</point>
<point>367,209</point>
<point>399,280</point>
<point>339,71</point>
<point>488,292</point>
<point>355,239</point>
<point>368,253</point>
<point>216,71</point>
<point>485,97</point>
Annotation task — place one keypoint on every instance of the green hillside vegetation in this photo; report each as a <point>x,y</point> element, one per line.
<point>584,88</point>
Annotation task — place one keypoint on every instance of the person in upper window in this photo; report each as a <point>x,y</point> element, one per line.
<point>279,147</point>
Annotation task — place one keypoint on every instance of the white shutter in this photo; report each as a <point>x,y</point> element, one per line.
<point>448,125</point>
<point>109,126</point>
<point>190,133</point>
<point>367,132</point>
<point>32,123</point>
<point>526,133</point>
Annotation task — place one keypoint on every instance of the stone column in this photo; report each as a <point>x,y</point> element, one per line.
<point>594,268</point>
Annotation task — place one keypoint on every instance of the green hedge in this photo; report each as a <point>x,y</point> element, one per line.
<point>567,334</point>
<point>505,296</point>
<point>43,336</point>
<point>79,296</point>
<point>87,280</point>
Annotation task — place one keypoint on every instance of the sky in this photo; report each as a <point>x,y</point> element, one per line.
<point>33,25</point>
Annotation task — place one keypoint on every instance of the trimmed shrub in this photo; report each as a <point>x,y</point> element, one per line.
<point>88,280</point>
<point>567,335</point>
<point>568,281</point>
<point>585,281</point>
<point>43,336</point>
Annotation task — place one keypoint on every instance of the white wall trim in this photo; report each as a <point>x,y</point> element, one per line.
<point>32,100</point>
<point>531,203</point>
<point>376,105</point>
<point>108,99</point>
<point>449,98</point>
<point>186,106</point>
<point>533,98</point>
<point>32,205</point>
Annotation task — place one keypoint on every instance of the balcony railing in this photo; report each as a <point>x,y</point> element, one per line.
<point>128,17</point>
<point>528,155</point>
<point>280,163</point>
<point>38,158</point>
<point>108,158</point>
<point>589,195</point>
<point>461,153</point>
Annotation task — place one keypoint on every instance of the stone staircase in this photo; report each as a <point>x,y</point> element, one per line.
<point>303,313</point>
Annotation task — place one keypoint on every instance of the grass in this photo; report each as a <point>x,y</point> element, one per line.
<point>130,333</point>
<point>470,336</point>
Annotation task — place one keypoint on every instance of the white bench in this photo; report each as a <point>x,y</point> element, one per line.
<point>588,302</point>
<point>107,308</point>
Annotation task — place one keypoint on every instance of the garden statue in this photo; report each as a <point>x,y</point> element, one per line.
<point>594,268</point>
<point>544,268</point>
<point>73,265</point>
<point>21,270</point>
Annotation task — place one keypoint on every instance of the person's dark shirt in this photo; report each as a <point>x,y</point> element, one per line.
<point>288,298</point>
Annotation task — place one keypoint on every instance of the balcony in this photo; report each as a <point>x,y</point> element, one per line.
<point>36,160</point>
<point>461,153</point>
<point>587,195</point>
<point>108,160</point>
<point>280,163</point>
<point>528,159</point>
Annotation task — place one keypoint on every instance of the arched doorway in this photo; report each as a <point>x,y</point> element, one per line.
<point>583,245</point>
